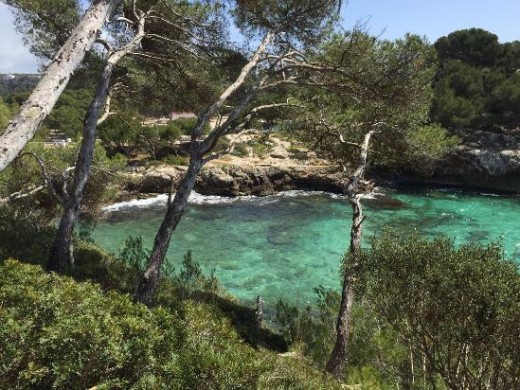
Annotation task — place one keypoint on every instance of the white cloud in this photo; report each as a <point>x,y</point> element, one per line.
<point>14,56</point>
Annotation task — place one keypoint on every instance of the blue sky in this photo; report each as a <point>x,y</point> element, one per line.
<point>390,18</point>
<point>435,18</point>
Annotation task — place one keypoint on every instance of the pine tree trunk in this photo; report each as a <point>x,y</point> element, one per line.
<point>338,359</point>
<point>23,126</point>
<point>148,283</point>
<point>146,289</point>
<point>61,252</point>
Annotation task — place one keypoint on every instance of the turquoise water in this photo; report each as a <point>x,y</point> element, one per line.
<point>285,245</point>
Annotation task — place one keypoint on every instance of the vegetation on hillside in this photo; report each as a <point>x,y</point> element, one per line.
<point>58,333</point>
<point>427,315</point>
<point>478,83</point>
<point>10,84</point>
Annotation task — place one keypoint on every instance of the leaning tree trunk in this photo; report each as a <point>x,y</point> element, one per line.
<point>61,252</point>
<point>176,209</point>
<point>338,358</point>
<point>199,148</point>
<point>23,126</point>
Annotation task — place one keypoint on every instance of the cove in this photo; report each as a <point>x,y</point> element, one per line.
<point>282,246</point>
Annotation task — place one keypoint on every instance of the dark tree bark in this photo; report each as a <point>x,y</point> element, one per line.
<point>200,147</point>
<point>61,252</point>
<point>338,358</point>
<point>175,211</point>
<point>23,126</point>
<point>337,362</point>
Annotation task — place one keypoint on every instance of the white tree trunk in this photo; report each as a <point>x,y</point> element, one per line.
<point>337,362</point>
<point>23,126</point>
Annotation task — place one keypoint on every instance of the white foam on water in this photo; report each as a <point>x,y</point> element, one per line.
<point>199,199</point>
<point>196,198</point>
<point>137,203</point>
<point>303,193</point>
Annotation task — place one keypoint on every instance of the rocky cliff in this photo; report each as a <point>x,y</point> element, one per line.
<point>242,177</point>
<point>276,169</point>
<point>484,160</point>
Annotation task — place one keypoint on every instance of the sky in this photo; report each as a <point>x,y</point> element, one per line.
<point>389,19</point>
<point>14,56</point>
<point>434,18</point>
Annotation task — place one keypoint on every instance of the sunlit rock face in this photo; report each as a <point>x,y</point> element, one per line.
<point>485,159</point>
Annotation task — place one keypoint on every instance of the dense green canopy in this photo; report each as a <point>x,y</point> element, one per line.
<point>478,84</point>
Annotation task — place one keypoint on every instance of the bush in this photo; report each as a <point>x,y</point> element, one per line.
<point>57,333</point>
<point>25,175</point>
<point>171,132</point>
<point>61,334</point>
<point>427,315</point>
<point>298,153</point>
<point>261,146</point>
<point>187,125</point>
<point>210,362</point>
<point>95,264</point>
<point>175,160</point>
<point>311,330</point>
<point>456,310</point>
<point>241,150</point>
<point>373,352</point>
<point>26,236</point>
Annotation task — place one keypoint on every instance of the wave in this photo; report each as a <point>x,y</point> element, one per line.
<point>198,199</point>
<point>137,203</point>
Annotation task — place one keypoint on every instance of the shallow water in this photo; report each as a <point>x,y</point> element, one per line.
<point>287,244</point>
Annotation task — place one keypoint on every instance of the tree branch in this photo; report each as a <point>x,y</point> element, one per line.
<point>108,47</point>
<point>46,177</point>
<point>20,194</point>
<point>232,88</point>
<point>106,112</point>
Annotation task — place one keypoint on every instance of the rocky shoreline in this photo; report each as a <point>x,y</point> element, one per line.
<point>485,160</point>
<point>241,176</point>
<point>281,167</point>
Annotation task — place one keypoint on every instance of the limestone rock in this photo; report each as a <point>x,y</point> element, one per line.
<point>486,160</point>
<point>279,152</point>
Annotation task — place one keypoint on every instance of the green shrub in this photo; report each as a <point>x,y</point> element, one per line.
<point>95,264</point>
<point>187,125</point>
<point>241,150</point>
<point>298,153</point>
<point>427,315</point>
<point>292,371</point>
<point>311,329</point>
<point>210,362</point>
<point>175,160</point>
<point>57,333</point>
<point>456,310</point>
<point>26,236</point>
<point>170,132</point>
<point>25,175</point>
<point>61,334</point>
<point>261,146</point>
